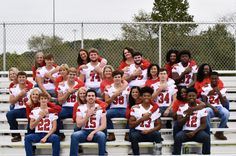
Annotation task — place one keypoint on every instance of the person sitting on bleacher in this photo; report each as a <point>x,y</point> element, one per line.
<point>46,81</point>
<point>45,125</point>
<point>18,98</point>
<point>91,118</point>
<point>215,97</point>
<point>144,128</point>
<point>193,124</point>
<point>117,97</point>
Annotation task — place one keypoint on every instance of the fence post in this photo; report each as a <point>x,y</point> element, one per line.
<point>160,45</point>
<point>234,47</point>
<point>4,47</point>
<point>82,35</point>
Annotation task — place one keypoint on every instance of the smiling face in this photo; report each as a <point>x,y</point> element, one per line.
<point>154,71</point>
<point>135,93</point>
<point>12,75</point>
<point>163,75</point>
<point>117,79</point>
<point>147,97</point>
<point>63,71</point>
<point>138,59</point>
<point>184,58</point>
<point>21,79</point>
<point>82,94</point>
<point>83,55</point>
<point>93,57</point>
<point>192,96</point>
<point>206,70</point>
<point>90,98</point>
<point>107,72</point>
<point>43,101</point>
<point>35,96</point>
<point>127,54</point>
<point>39,58</point>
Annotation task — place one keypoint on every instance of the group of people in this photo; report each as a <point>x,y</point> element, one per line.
<point>94,93</point>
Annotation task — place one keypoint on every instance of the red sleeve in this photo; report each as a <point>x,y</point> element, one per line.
<point>127,113</point>
<point>145,64</point>
<point>80,83</point>
<point>76,105</point>
<point>148,83</point>
<point>29,84</point>
<point>198,101</point>
<point>102,87</point>
<point>100,59</point>
<point>11,85</point>
<point>220,84</point>
<point>53,108</point>
<point>198,87</point>
<point>193,62</point>
<point>169,70</point>
<point>28,110</point>
<point>34,72</point>
<point>175,106</point>
<point>54,65</point>
<point>101,104</point>
<point>122,65</point>
<point>155,106</point>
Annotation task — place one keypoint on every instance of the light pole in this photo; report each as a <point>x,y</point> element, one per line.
<point>74,32</point>
<point>53,18</point>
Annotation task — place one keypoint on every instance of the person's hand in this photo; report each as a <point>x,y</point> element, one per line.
<point>163,86</point>
<point>23,92</point>
<point>42,114</point>
<point>188,70</point>
<point>216,111</point>
<point>190,134</point>
<point>71,90</point>
<point>137,72</point>
<point>167,112</point>
<point>48,75</point>
<point>43,140</point>
<point>189,111</point>
<point>90,136</point>
<point>145,117</point>
<point>145,131</point>
<point>90,112</point>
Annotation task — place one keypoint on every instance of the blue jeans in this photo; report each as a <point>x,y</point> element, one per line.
<point>52,93</point>
<point>81,136</point>
<point>114,113</point>
<point>36,137</point>
<point>136,136</point>
<point>66,112</point>
<point>201,137</point>
<point>226,105</point>
<point>12,115</point>
<point>223,115</point>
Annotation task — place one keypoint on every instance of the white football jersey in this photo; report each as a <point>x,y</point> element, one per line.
<point>214,100</point>
<point>179,68</point>
<point>165,98</point>
<point>45,124</point>
<point>21,102</point>
<point>63,88</point>
<point>138,112</point>
<point>121,100</point>
<point>139,80</point>
<point>194,120</point>
<point>92,79</point>
<point>95,120</point>
<point>47,83</point>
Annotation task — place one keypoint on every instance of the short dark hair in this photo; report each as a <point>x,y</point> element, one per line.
<point>43,95</point>
<point>214,73</point>
<point>21,73</point>
<point>93,50</point>
<point>163,69</point>
<point>172,51</point>
<point>146,90</point>
<point>91,90</point>
<point>185,52</point>
<point>48,57</point>
<point>191,89</point>
<point>137,54</point>
<point>117,72</point>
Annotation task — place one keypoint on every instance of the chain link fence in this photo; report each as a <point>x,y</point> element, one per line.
<point>212,43</point>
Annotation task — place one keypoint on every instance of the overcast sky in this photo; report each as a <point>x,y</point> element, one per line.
<point>102,10</point>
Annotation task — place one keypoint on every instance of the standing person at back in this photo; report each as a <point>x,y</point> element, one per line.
<point>136,75</point>
<point>185,72</point>
<point>92,74</point>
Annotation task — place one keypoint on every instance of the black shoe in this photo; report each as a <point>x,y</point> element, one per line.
<point>62,137</point>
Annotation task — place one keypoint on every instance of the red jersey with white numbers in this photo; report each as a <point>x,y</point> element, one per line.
<point>95,120</point>
<point>165,98</point>
<point>139,80</point>
<point>45,124</point>
<point>47,83</point>
<point>213,99</point>
<point>121,100</point>
<point>92,79</point>
<point>179,68</point>
<point>63,88</point>
<point>194,120</point>
<point>138,112</point>
<point>15,90</point>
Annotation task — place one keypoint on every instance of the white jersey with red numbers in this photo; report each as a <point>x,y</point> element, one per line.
<point>63,88</point>
<point>47,83</point>
<point>194,119</point>
<point>45,124</point>
<point>138,112</point>
<point>92,79</point>
<point>121,100</point>
<point>21,101</point>
<point>214,99</point>
<point>165,98</point>
<point>139,80</point>
<point>179,68</point>
<point>95,120</point>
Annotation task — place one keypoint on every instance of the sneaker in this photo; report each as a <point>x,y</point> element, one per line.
<point>220,136</point>
<point>111,137</point>
<point>16,138</point>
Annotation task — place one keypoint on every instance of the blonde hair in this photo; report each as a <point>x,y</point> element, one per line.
<point>31,93</point>
<point>64,66</point>
<point>73,70</point>
<point>105,67</point>
<point>35,58</point>
<point>13,69</point>
<point>81,89</point>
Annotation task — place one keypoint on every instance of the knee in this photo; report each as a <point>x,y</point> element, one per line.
<point>101,135</point>
<point>9,115</point>
<point>55,138</point>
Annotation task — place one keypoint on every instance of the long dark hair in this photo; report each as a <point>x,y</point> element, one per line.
<point>200,73</point>
<point>131,50</point>
<point>79,59</point>
<point>149,75</point>
<point>131,99</point>
<point>179,97</point>
<point>172,51</point>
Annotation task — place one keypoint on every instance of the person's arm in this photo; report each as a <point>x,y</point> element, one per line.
<point>39,81</point>
<point>109,99</point>
<point>169,108</point>
<point>81,121</point>
<point>75,108</point>
<point>53,108</point>
<point>157,92</point>
<point>63,97</point>
<point>145,64</point>
<point>13,99</point>
<point>194,79</point>
<point>133,122</point>
<point>52,130</point>
<point>157,127</point>
<point>82,77</point>
<point>102,104</point>
<point>34,123</point>
<point>182,120</point>
<point>221,97</point>
<point>200,128</point>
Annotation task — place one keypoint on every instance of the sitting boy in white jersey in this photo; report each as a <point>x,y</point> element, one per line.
<point>193,125</point>
<point>144,128</point>
<point>45,125</point>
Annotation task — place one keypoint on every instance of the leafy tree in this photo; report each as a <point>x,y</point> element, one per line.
<point>37,43</point>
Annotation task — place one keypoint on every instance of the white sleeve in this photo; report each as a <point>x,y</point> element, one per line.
<point>223,92</point>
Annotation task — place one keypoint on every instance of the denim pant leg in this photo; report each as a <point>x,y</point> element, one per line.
<point>210,115</point>
<point>176,128</point>
<point>76,138</point>
<point>29,139</point>
<point>135,138</point>
<point>66,112</point>
<point>179,139</point>
<point>52,93</point>
<point>226,105</point>
<point>205,139</point>
<point>224,116</point>
<point>100,138</point>
<point>55,140</point>
<point>114,113</point>
<point>13,115</point>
